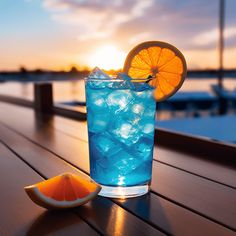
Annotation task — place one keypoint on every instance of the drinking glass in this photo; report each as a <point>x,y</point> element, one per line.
<point>121,121</point>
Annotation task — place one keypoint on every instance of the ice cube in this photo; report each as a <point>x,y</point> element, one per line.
<point>145,94</point>
<point>148,128</point>
<point>118,100</point>
<point>146,124</point>
<point>148,103</point>
<point>138,108</point>
<point>149,112</point>
<point>125,132</point>
<point>143,148</point>
<point>96,101</point>
<point>94,77</point>
<point>97,122</point>
<point>141,86</point>
<point>106,175</point>
<point>104,144</point>
<point>125,82</point>
<point>100,173</point>
<point>123,162</point>
<point>123,76</point>
<point>132,118</point>
<point>122,81</point>
<point>97,73</point>
<point>103,151</point>
<point>141,174</point>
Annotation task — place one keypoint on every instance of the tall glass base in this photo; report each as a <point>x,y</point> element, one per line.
<point>124,192</point>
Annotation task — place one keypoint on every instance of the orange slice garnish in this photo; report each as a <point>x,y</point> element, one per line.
<point>63,191</point>
<point>161,61</point>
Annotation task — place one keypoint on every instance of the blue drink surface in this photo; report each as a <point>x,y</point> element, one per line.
<point>121,132</point>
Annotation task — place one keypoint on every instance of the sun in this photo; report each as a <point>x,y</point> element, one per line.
<point>107,57</point>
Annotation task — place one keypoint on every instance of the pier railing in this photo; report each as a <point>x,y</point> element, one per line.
<point>43,102</point>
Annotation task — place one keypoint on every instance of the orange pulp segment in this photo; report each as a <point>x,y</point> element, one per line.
<point>63,191</point>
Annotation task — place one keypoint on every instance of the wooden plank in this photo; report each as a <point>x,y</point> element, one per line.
<point>36,127</point>
<point>210,199</point>
<point>173,218</point>
<point>216,171</point>
<point>77,114</point>
<point>159,212</point>
<point>19,215</point>
<point>16,100</point>
<point>196,145</point>
<point>104,215</point>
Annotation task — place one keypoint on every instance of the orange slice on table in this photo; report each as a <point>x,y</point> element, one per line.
<point>161,61</point>
<point>63,191</point>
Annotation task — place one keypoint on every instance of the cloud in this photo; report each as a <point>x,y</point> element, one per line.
<point>96,18</point>
<point>209,38</point>
<point>186,23</point>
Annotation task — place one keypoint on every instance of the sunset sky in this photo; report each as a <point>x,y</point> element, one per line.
<point>54,34</point>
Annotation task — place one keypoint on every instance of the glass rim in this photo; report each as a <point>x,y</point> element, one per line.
<point>114,79</point>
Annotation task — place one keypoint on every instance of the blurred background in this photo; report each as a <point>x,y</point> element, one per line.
<point>62,40</point>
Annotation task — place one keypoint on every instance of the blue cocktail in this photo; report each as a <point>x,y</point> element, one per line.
<point>121,116</point>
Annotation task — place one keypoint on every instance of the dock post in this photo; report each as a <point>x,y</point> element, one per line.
<point>222,102</point>
<point>43,97</point>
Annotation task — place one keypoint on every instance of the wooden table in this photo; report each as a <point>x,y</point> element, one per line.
<point>193,187</point>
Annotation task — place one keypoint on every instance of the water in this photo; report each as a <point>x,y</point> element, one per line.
<point>69,90</point>
<point>121,130</point>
